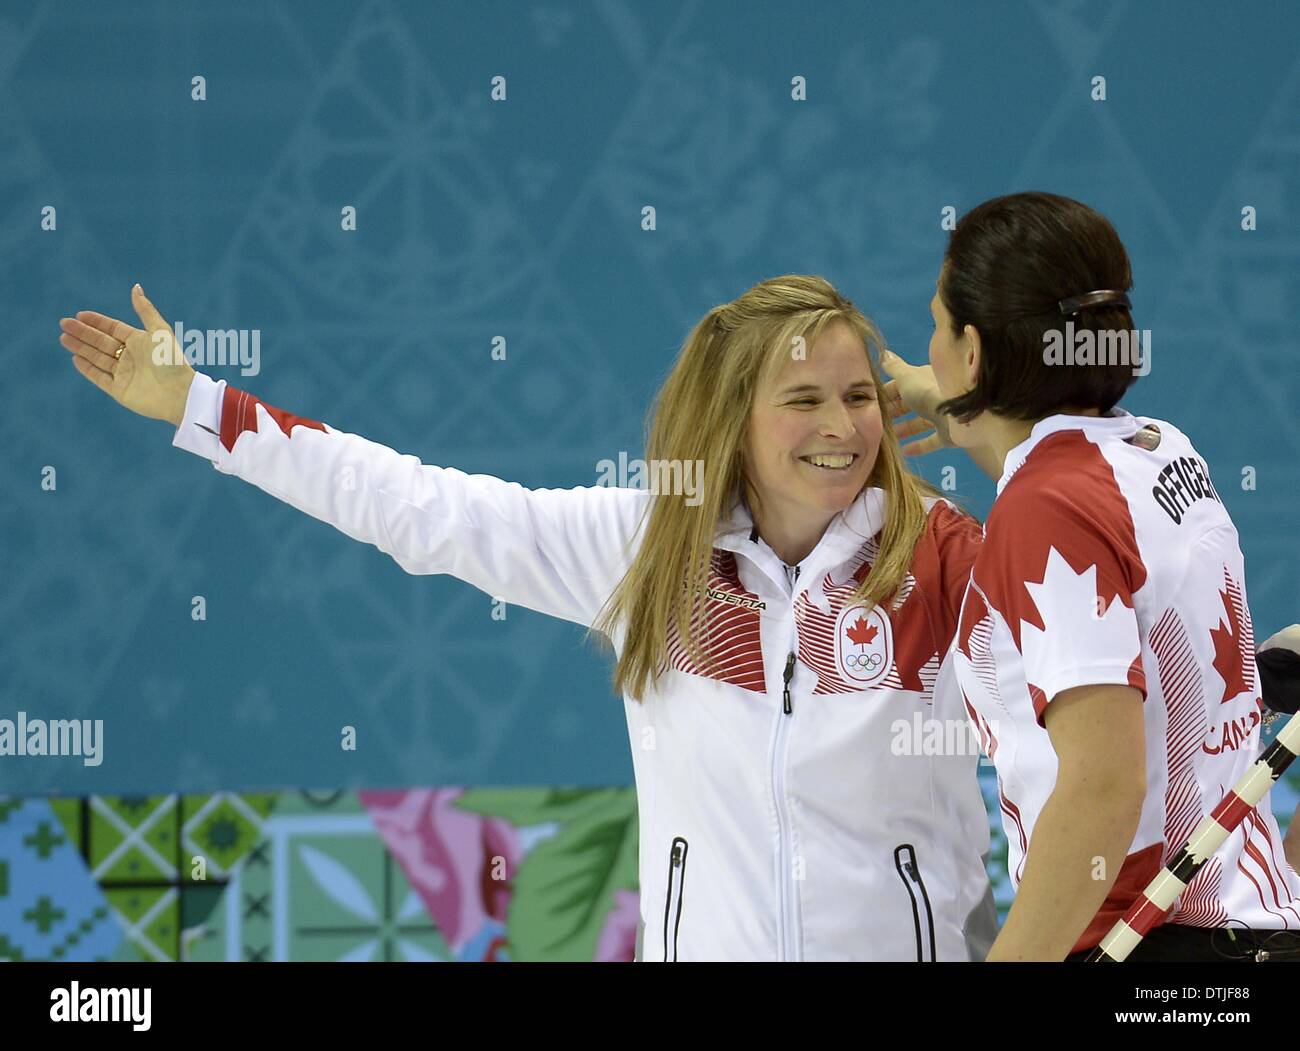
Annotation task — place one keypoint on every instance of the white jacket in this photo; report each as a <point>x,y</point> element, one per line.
<point>778,820</point>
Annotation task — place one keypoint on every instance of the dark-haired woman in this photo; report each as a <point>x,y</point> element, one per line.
<point>1104,648</point>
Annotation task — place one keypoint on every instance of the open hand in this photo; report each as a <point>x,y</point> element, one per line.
<point>141,369</point>
<point>913,389</point>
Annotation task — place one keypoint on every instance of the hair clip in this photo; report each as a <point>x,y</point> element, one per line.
<point>1074,304</point>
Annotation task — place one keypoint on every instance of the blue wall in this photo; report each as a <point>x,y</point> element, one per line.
<point>522,218</point>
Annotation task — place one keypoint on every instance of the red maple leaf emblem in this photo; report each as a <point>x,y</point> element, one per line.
<point>1229,661</point>
<point>861,632</point>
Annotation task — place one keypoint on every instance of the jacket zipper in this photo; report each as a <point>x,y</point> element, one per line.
<point>910,872</point>
<point>786,934</point>
<point>673,900</point>
<point>790,657</point>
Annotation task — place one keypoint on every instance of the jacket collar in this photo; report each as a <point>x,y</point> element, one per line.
<point>844,536</point>
<point>1117,423</point>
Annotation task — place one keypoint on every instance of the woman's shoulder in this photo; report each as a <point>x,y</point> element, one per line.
<point>945,516</point>
<point>953,533</point>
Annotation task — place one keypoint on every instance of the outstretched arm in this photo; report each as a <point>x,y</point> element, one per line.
<point>558,551</point>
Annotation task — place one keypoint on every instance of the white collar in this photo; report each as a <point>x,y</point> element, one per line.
<point>1117,423</point>
<point>844,535</point>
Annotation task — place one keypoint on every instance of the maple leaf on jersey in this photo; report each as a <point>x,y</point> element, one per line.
<point>1068,605</point>
<point>861,632</point>
<point>1228,660</point>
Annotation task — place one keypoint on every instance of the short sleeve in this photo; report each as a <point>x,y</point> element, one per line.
<point>1063,580</point>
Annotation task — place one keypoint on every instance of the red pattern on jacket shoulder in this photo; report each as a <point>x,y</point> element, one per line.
<point>912,646</point>
<point>973,612</point>
<point>735,644</point>
<point>947,551</point>
<point>239,414</point>
<point>923,621</point>
<point>1063,498</point>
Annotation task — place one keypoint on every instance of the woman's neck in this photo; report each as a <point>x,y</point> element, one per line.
<point>1001,435</point>
<point>792,541</point>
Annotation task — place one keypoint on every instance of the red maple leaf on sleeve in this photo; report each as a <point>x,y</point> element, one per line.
<point>861,632</point>
<point>1229,661</point>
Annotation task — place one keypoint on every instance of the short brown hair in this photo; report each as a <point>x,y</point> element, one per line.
<point>1008,263</point>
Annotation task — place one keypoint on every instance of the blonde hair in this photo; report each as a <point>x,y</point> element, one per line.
<point>702,414</point>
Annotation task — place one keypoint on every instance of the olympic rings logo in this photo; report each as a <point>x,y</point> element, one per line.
<point>864,662</point>
<point>864,645</point>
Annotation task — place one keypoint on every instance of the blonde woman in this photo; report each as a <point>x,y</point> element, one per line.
<point>781,636</point>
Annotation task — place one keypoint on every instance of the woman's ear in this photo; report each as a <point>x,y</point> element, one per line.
<point>972,356</point>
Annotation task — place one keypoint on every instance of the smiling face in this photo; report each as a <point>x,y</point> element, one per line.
<point>814,433</point>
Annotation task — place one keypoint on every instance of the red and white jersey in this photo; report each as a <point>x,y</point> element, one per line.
<point>806,799</point>
<point>1109,557</point>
